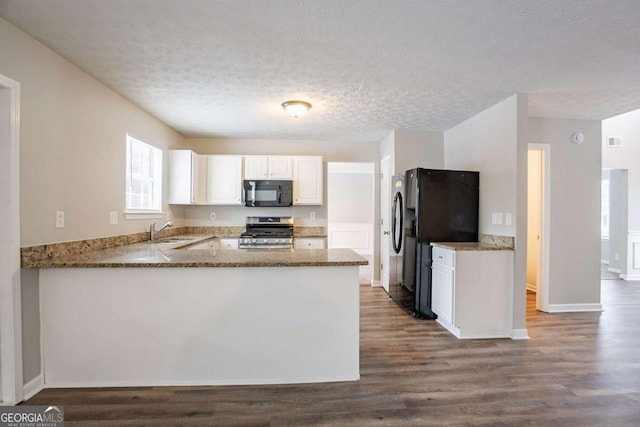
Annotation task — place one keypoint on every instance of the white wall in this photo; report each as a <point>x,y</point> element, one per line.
<point>494,142</point>
<point>413,149</point>
<point>627,127</point>
<point>73,132</point>
<point>618,228</point>
<point>487,143</point>
<point>72,158</point>
<point>574,270</point>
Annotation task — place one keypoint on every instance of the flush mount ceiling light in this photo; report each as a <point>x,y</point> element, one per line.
<point>296,108</point>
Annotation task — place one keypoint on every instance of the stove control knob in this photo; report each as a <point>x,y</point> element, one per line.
<point>254,240</point>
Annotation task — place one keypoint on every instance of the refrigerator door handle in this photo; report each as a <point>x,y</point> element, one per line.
<point>397,239</point>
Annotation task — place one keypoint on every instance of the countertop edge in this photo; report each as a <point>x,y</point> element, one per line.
<point>470,246</point>
<point>197,264</point>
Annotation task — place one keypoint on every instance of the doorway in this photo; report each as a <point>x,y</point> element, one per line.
<point>385,222</point>
<point>350,211</point>
<point>538,195</point>
<point>10,335</point>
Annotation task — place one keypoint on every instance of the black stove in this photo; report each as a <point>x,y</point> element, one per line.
<point>267,232</point>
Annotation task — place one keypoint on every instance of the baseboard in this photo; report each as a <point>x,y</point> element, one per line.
<point>571,308</point>
<point>376,283</point>
<point>33,387</point>
<point>614,270</point>
<point>630,276</point>
<point>519,334</point>
<point>532,288</point>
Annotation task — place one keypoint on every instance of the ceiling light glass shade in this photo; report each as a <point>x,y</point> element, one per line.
<point>296,108</point>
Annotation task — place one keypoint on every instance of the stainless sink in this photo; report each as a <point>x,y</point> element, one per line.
<point>173,241</point>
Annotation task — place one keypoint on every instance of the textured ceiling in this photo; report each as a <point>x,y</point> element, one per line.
<point>221,68</point>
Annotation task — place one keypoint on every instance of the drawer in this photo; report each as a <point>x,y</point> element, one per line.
<point>228,243</point>
<point>443,256</point>
<point>308,243</point>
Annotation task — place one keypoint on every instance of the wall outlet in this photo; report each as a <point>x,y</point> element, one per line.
<point>616,257</point>
<point>212,215</point>
<point>60,219</point>
<point>507,218</point>
<point>113,217</point>
<point>312,215</point>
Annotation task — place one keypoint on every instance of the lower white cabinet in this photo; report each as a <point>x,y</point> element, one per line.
<point>215,244</point>
<point>471,292</point>
<point>308,243</point>
<point>228,243</point>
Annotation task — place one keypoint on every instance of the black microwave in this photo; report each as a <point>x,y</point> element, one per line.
<point>267,193</point>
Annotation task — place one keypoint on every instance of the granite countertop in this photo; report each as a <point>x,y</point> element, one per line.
<point>174,252</point>
<point>471,246</point>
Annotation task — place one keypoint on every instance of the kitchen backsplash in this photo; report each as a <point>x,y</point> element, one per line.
<point>493,239</point>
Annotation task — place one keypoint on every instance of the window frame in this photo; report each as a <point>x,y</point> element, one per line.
<point>155,180</point>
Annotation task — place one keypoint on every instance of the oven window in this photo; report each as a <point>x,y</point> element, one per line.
<point>266,195</point>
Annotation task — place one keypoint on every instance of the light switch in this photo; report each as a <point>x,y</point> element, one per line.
<point>312,215</point>
<point>507,218</point>
<point>496,218</point>
<point>60,219</point>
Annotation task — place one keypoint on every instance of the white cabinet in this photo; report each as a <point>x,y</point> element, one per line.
<point>442,288</point>
<point>308,243</point>
<point>228,243</point>
<point>224,180</point>
<point>268,167</point>
<point>216,244</point>
<point>187,177</point>
<point>471,292</point>
<point>208,244</point>
<point>307,180</point>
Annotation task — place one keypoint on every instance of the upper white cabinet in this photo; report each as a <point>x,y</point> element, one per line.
<point>307,180</point>
<point>268,167</point>
<point>224,180</point>
<point>217,179</point>
<point>187,177</point>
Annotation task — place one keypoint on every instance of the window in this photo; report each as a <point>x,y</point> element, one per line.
<point>144,177</point>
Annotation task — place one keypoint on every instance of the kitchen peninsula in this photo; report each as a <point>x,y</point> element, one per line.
<point>159,313</point>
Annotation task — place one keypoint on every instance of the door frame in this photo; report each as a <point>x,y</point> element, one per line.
<point>543,285</point>
<point>11,388</point>
<point>385,194</point>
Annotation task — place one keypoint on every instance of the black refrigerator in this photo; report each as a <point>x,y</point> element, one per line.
<point>429,205</point>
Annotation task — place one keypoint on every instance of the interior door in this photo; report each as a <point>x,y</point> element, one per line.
<point>385,227</point>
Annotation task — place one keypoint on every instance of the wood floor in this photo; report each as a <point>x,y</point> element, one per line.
<point>579,369</point>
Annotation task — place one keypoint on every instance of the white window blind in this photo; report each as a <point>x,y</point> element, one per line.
<point>144,177</point>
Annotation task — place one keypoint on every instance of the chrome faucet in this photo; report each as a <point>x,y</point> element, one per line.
<point>153,234</point>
